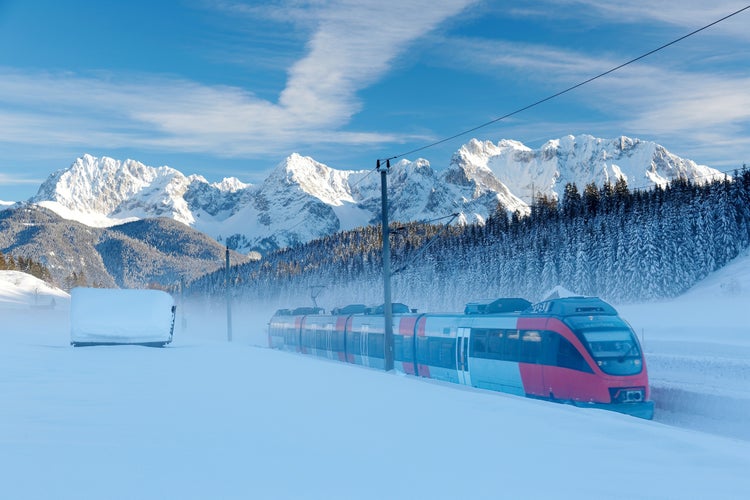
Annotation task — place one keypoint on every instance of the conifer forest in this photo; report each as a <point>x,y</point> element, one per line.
<point>606,241</point>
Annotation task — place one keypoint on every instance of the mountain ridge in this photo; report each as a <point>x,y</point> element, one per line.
<point>302,199</point>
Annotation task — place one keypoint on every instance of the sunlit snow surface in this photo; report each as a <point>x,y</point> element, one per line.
<point>207,419</point>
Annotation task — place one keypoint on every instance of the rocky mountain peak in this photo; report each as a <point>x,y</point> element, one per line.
<point>303,199</point>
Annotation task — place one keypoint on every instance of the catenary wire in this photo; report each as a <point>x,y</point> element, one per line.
<point>569,89</point>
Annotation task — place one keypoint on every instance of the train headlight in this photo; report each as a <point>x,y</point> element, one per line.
<point>627,394</point>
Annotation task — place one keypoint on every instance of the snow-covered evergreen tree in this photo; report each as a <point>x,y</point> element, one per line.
<point>621,245</point>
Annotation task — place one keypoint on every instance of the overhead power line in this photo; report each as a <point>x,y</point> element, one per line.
<point>565,91</point>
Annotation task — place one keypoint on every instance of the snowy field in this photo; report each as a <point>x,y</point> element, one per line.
<point>207,419</point>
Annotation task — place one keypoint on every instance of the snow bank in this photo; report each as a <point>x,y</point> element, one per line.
<point>19,290</point>
<point>231,421</point>
<point>112,316</point>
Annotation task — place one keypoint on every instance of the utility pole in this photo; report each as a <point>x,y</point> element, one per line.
<point>183,319</point>
<point>533,196</point>
<point>229,297</point>
<point>387,305</point>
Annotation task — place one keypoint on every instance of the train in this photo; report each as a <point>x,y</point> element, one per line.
<point>574,350</point>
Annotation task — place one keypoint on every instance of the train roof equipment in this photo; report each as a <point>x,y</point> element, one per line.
<point>349,309</point>
<point>574,306</point>
<point>396,308</point>
<point>495,306</point>
<point>305,311</point>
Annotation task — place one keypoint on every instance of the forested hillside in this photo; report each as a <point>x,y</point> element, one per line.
<point>608,241</point>
<point>29,266</point>
<point>150,252</point>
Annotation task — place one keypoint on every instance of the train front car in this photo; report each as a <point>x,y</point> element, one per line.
<point>598,361</point>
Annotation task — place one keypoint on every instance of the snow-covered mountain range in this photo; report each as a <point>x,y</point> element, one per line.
<point>303,199</point>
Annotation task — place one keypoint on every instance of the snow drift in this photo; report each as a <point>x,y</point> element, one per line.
<point>112,316</point>
<point>19,290</point>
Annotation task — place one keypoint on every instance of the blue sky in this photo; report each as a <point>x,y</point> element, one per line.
<point>231,88</point>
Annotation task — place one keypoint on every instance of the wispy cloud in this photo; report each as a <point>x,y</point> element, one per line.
<point>674,102</point>
<point>685,13</point>
<point>14,180</point>
<point>708,114</point>
<point>352,44</point>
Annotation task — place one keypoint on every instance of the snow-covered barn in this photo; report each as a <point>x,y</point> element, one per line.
<point>100,316</point>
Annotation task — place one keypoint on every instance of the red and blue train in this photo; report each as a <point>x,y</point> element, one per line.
<point>575,350</point>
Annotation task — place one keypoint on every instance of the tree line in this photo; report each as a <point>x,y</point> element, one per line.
<point>39,270</point>
<point>609,241</point>
<point>26,265</point>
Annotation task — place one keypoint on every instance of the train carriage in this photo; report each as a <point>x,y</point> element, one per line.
<point>574,350</point>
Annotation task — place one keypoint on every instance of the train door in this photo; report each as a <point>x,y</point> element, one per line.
<point>363,350</point>
<point>340,336</point>
<point>462,355</point>
<point>329,340</point>
<point>532,357</point>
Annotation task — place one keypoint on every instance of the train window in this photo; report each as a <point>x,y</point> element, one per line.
<point>337,341</point>
<point>403,348</point>
<point>408,350</point>
<point>616,352</point>
<point>438,352</point>
<point>434,351</point>
<point>531,346</point>
<point>376,346</point>
<point>423,350</point>
<point>495,344</point>
<point>320,339</point>
<point>447,354</point>
<point>512,346</point>
<point>531,336</point>
<point>354,344</point>
<point>398,348</point>
<point>307,338</point>
<point>290,336</point>
<point>478,342</point>
<point>569,357</point>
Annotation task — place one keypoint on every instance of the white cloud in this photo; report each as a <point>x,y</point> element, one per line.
<point>14,180</point>
<point>691,14</point>
<point>659,99</point>
<point>152,112</point>
<point>543,62</point>
<point>682,103</point>
<point>352,44</point>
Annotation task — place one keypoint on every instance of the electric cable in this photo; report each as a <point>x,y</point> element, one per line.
<point>569,89</point>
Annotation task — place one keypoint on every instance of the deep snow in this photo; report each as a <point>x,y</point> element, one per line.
<point>204,418</point>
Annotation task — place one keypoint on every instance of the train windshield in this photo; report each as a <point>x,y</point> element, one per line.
<point>611,343</point>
